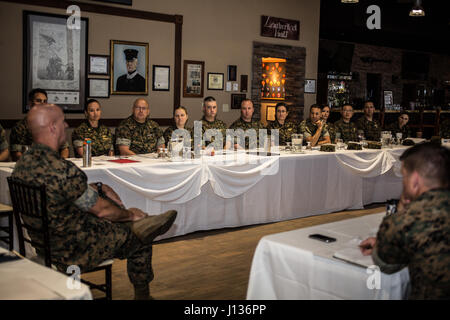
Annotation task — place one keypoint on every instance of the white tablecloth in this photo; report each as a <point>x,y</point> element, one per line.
<point>211,193</point>
<point>26,280</point>
<point>290,265</point>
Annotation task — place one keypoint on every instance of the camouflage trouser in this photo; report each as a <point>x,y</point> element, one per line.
<point>115,240</point>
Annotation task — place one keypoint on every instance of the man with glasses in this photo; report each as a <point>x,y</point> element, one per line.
<point>20,137</point>
<point>344,126</point>
<point>138,134</point>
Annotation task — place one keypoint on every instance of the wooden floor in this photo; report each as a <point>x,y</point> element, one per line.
<point>211,264</point>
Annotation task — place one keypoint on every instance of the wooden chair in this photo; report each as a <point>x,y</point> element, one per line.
<point>31,201</point>
<point>7,212</point>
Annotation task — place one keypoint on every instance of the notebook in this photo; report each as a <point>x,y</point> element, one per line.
<point>353,255</point>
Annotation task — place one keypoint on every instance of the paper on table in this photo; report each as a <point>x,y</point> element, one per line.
<point>353,255</point>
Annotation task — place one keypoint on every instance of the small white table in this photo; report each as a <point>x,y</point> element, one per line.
<point>290,265</point>
<point>22,279</point>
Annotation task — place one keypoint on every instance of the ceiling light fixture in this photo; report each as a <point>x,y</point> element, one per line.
<point>417,10</point>
<point>349,1</point>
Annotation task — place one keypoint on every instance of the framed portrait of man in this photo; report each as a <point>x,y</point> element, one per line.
<point>54,59</point>
<point>129,67</point>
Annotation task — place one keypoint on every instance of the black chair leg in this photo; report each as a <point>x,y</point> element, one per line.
<point>11,232</point>
<point>108,282</point>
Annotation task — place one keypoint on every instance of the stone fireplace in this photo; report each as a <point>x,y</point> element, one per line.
<point>295,78</point>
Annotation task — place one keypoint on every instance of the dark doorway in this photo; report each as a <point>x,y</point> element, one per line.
<point>374,89</point>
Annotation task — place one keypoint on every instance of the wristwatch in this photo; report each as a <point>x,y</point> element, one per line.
<point>100,189</point>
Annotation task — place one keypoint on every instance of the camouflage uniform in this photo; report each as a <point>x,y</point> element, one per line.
<point>188,135</point>
<point>140,137</point>
<point>331,131</point>
<point>394,128</point>
<point>244,125</point>
<point>347,130</point>
<point>101,138</point>
<point>372,129</point>
<point>76,236</point>
<point>444,130</point>
<point>308,129</point>
<point>419,238</point>
<point>286,130</point>
<point>20,137</point>
<point>216,124</point>
<point>3,141</point>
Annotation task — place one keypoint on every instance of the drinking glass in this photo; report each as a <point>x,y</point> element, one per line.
<point>176,148</point>
<point>361,135</point>
<point>399,136</point>
<point>297,142</point>
<point>386,137</point>
<point>288,146</point>
<point>339,144</point>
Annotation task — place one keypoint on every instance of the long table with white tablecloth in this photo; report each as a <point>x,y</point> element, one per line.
<point>238,189</point>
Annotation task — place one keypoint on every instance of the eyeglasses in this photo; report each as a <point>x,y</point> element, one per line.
<point>141,108</point>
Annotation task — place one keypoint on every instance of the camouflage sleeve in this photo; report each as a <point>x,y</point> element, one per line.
<point>325,132</point>
<point>302,129</point>
<point>74,184</point>
<point>87,200</point>
<point>307,132</point>
<point>359,124</point>
<point>391,244</point>
<point>123,135</point>
<point>77,140</point>
<point>3,141</point>
<point>167,134</point>
<point>17,139</point>
<point>159,133</point>
<point>385,267</point>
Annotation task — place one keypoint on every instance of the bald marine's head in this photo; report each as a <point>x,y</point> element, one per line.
<point>47,125</point>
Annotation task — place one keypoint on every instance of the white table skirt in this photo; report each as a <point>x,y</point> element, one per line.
<point>290,265</point>
<point>212,194</point>
<point>26,280</point>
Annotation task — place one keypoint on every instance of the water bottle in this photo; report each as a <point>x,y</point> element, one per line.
<point>87,153</point>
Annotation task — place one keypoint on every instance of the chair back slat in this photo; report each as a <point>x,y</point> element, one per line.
<point>30,203</point>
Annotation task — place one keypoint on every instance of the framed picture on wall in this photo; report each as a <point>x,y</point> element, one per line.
<point>129,67</point>
<point>236,99</point>
<point>54,59</point>
<point>98,88</point>
<point>310,86</point>
<point>193,78</point>
<point>98,64</point>
<point>161,78</point>
<point>232,73</point>
<point>215,81</point>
